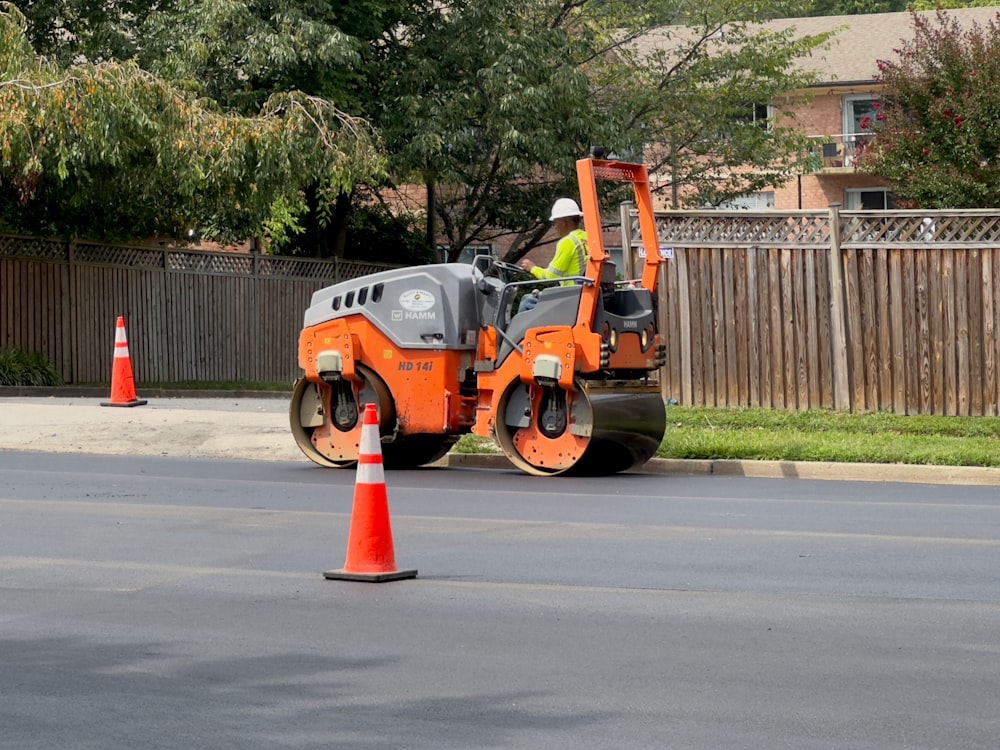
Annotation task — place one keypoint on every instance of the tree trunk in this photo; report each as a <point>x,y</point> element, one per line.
<point>338,224</point>
<point>431,208</point>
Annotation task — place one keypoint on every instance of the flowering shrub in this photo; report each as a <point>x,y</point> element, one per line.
<point>937,131</point>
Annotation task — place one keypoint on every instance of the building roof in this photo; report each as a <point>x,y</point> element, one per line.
<point>859,42</point>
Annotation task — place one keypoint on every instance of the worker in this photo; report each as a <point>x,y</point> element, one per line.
<point>570,258</point>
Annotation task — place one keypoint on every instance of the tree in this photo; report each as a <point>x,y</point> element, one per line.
<point>850,7</point>
<point>936,135</point>
<point>488,107</point>
<point>69,31</point>
<point>488,103</point>
<point>83,144</point>
<point>499,99</point>
<point>708,96</point>
<point>240,52</point>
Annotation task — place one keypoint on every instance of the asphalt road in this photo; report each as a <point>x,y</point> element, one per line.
<point>176,603</point>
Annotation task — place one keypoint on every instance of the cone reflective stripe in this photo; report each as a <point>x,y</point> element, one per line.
<point>370,553</point>
<point>122,382</point>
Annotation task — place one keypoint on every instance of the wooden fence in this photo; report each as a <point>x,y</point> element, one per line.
<point>894,311</point>
<point>189,315</point>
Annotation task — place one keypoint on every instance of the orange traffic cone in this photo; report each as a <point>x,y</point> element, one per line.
<point>370,555</point>
<point>122,383</point>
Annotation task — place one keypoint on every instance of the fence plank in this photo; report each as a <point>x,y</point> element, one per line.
<point>910,347</point>
<point>732,333</point>
<point>855,332</point>
<point>753,328</point>
<point>989,334</point>
<point>961,334</point>
<point>869,326</point>
<point>787,307</point>
<point>707,351</point>
<point>720,327</point>
<point>685,325</point>
<point>974,343</point>
<point>949,333</point>
<point>766,337</point>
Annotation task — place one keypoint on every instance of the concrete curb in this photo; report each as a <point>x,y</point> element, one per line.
<point>906,473</point>
<point>173,430</point>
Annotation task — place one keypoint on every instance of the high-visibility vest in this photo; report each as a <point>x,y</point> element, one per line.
<point>570,258</point>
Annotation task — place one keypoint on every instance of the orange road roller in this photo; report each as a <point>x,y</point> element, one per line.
<point>564,387</point>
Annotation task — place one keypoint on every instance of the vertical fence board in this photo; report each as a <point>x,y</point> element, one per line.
<point>685,325</point>
<point>699,390</point>
<point>707,352</point>
<point>962,359</point>
<point>752,312</point>
<point>910,347</point>
<point>949,334</point>
<point>935,306</point>
<point>730,294</point>
<point>766,337</point>
<point>989,334</point>
<point>741,324</point>
<point>789,374</point>
<point>776,324</point>
<point>975,342</point>
<point>855,331</point>
<point>811,350</point>
<point>869,328</point>
<point>883,333</point>
<point>923,355</point>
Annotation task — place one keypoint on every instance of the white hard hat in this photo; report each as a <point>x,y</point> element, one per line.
<point>564,208</point>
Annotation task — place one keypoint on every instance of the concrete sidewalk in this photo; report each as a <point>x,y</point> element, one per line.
<point>255,426</point>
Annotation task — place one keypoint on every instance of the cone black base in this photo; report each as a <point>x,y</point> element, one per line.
<point>394,575</point>
<point>137,402</point>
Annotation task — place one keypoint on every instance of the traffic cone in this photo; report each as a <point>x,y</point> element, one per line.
<point>122,383</point>
<point>370,555</point>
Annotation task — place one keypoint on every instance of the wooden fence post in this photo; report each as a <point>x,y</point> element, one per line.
<point>838,327</point>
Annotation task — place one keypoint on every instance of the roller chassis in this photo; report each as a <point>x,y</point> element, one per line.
<point>562,388</point>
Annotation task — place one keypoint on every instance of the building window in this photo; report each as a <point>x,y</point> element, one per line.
<point>755,114</point>
<point>859,114</point>
<point>763,201</point>
<point>470,253</point>
<point>869,199</point>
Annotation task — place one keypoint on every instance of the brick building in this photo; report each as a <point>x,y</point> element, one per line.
<point>831,114</point>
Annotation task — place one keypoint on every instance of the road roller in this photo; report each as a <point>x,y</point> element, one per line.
<point>566,387</point>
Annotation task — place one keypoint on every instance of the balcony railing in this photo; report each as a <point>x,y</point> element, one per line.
<point>836,152</point>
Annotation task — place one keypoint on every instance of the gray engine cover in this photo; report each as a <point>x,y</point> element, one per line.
<point>421,307</point>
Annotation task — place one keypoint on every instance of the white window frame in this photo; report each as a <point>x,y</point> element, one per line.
<point>851,124</point>
<point>852,198</point>
<point>762,201</point>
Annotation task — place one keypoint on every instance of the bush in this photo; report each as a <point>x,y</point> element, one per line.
<point>18,367</point>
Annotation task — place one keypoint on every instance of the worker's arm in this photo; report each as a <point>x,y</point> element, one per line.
<point>563,262</point>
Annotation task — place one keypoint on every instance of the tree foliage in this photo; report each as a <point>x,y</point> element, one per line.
<point>495,101</point>
<point>85,144</point>
<point>486,104</point>
<point>70,31</point>
<point>700,94</point>
<point>851,7</point>
<point>937,133</point>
